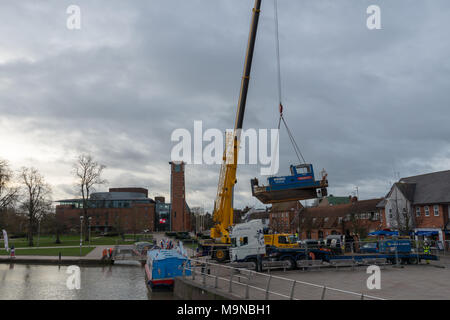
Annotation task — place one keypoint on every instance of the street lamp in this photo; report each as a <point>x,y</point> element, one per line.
<point>81,232</point>
<point>39,230</point>
<point>89,219</point>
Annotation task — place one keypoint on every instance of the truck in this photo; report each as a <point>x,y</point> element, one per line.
<point>281,240</point>
<point>247,246</point>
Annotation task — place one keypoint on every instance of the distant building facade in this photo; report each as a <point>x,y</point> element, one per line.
<point>162,214</point>
<point>284,216</point>
<point>127,210</point>
<point>420,204</point>
<point>359,217</point>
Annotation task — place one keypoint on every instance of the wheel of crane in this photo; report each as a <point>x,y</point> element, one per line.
<point>221,255</point>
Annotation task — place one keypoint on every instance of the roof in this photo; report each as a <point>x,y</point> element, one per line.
<point>285,206</point>
<point>430,188</point>
<point>332,201</point>
<point>360,206</point>
<point>382,203</point>
<point>407,189</point>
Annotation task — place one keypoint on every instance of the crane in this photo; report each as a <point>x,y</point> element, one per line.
<point>223,205</point>
<point>299,186</point>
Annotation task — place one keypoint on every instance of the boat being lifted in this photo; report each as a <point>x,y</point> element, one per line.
<point>300,185</point>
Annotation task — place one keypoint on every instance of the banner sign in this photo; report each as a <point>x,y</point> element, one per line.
<point>5,239</point>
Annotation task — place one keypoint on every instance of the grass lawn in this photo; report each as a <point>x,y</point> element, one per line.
<point>50,252</point>
<point>74,240</point>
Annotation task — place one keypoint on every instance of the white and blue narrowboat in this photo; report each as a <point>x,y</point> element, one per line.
<point>163,265</point>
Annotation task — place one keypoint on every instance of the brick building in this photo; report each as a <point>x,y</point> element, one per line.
<point>126,210</point>
<point>359,217</point>
<point>283,216</point>
<point>180,214</point>
<point>420,204</point>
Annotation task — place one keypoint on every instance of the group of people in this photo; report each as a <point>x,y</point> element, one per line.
<point>166,244</point>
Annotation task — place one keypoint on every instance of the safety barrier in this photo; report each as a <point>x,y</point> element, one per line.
<point>249,284</point>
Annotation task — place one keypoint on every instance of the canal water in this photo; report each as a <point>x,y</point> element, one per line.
<point>118,282</point>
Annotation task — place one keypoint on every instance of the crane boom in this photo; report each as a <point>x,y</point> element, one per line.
<point>223,206</point>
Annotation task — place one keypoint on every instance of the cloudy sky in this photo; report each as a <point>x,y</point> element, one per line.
<point>366,105</point>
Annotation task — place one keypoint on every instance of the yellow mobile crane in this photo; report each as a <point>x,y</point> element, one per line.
<point>223,205</point>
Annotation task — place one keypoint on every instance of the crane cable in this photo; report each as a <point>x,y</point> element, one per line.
<point>277,43</point>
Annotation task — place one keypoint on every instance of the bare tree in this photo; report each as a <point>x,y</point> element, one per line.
<point>8,192</point>
<point>88,173</point>
<point>36,198</point>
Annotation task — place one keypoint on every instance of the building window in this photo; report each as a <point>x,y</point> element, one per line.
<point>436,210</point>
<point>427,211</point>
<point>417,211</point>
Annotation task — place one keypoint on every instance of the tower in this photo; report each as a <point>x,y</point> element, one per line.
<point>179,214</point>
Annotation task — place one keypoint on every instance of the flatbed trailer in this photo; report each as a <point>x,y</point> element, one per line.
<point>410,258</point>
<point>292,255</point>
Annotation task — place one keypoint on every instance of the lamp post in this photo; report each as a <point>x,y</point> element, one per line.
<point>89,219</point>
<point>39,230</point>
<point>81,232</point>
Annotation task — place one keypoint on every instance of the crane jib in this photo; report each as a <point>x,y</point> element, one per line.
<point>248,65</point>
<point>223,213</point>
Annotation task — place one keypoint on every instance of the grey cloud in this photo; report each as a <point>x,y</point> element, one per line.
<point>362,104</point>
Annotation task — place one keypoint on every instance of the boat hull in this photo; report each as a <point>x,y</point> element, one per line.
<point>158,284</point>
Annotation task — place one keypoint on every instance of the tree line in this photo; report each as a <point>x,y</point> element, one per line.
<point>26,197</point>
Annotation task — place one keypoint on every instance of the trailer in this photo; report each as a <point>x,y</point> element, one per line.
<point>248,246</point>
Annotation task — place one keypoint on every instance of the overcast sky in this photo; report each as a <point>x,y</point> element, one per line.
<point>366,105</point>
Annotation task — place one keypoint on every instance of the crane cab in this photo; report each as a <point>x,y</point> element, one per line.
<point>300,185</point>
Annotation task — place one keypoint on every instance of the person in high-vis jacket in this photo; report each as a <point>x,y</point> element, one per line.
<point>427,250</point>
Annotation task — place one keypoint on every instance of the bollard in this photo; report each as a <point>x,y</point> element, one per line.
<point>247,289</point>
<point>204,278</point>
<point>230,289</point>
<point>323,292</point>
<point>292,290</point>
<point>267,287</point>
<point>216,282</point>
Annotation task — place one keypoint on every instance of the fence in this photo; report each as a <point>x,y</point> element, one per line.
<point>248,284</point>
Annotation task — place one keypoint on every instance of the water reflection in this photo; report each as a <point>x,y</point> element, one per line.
<point>126,282</point>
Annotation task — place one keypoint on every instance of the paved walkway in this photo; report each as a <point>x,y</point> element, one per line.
<point>411,282</point>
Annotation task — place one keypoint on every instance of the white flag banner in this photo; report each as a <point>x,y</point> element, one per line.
<point>5,239</point>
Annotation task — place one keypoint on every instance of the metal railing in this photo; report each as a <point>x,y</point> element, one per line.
<point>248,284</point>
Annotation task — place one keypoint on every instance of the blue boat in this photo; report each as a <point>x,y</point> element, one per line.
<point>163,265</point>
<point>300,185</point>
